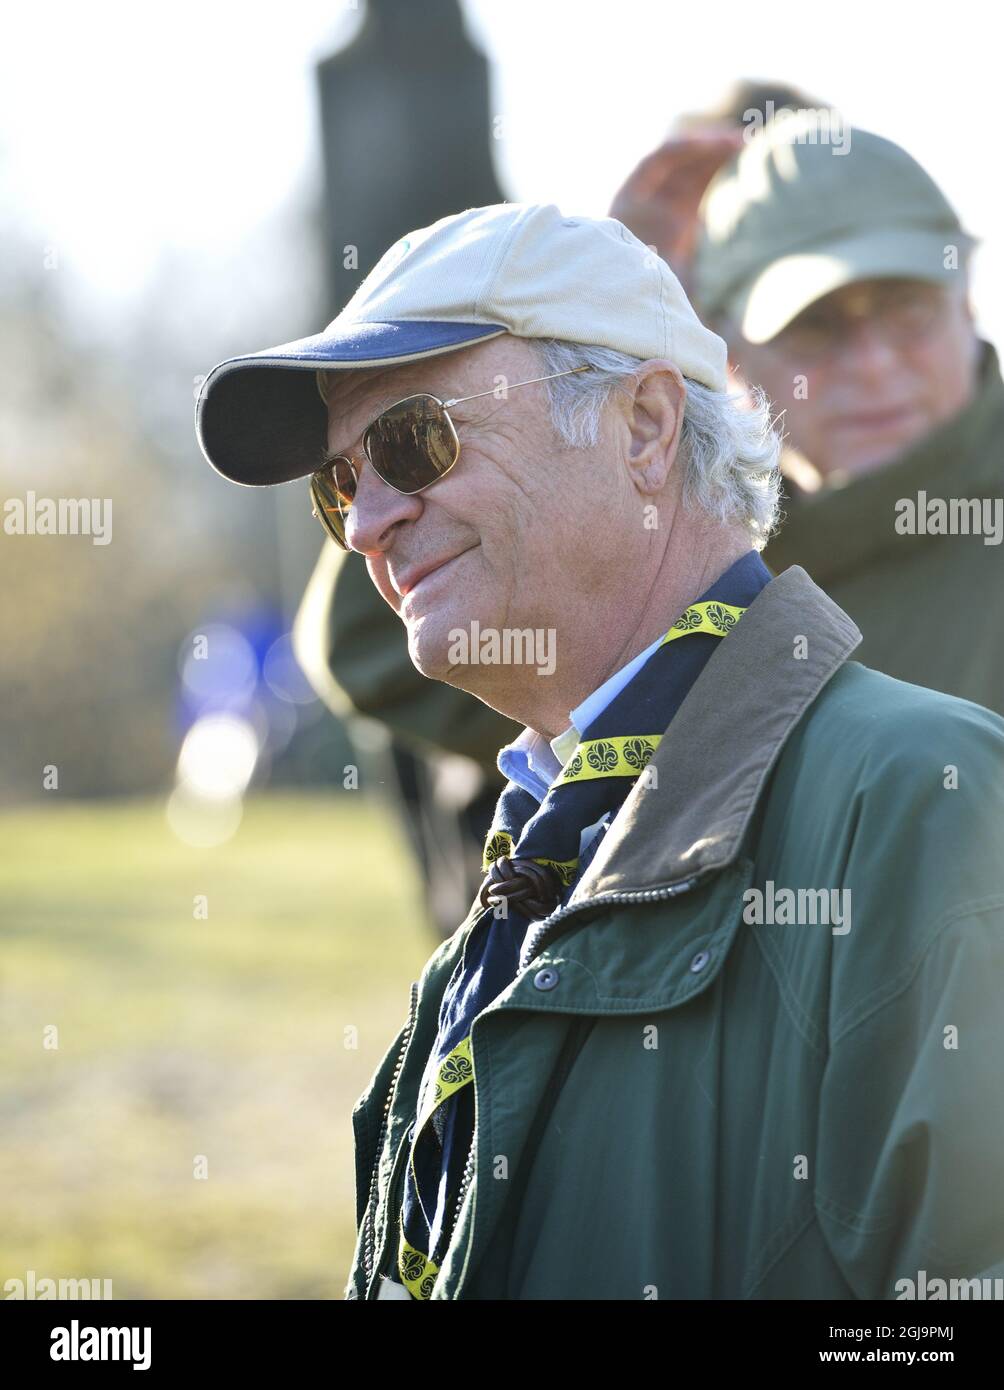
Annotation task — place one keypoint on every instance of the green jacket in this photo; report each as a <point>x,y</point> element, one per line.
<point>672,1102</point>
<point>930,607</point>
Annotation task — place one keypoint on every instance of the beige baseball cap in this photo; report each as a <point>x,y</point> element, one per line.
<point>520,268</point>
<point>810,205</point>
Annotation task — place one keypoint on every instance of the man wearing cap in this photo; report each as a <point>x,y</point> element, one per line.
<point>838,272</point>
<point>722,1021</point>
<point>353,647</point>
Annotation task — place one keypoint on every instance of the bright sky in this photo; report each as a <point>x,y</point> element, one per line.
<point>130,130</point>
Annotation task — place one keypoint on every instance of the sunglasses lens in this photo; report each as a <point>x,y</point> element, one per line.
<point>412,444</point>
<point>332,489</point>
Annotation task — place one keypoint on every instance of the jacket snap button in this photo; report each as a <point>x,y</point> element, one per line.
<point>546,978</point>
<point>700,961</point>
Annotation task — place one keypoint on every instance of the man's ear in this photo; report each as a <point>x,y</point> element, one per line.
<point>655,423</point>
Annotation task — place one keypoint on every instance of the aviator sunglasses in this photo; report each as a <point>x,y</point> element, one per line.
<point>410,446</point>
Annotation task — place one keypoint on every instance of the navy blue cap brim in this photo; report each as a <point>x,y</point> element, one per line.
<point>260,419</point>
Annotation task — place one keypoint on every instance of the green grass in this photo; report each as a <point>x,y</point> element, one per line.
<point>229,1037</point>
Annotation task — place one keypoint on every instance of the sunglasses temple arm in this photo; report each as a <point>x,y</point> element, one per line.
<point>460,399</point>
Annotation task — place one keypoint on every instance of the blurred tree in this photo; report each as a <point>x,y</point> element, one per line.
<point>89,633</point>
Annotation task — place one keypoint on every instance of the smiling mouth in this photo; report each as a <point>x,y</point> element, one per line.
<point>433,573</point>
<point>879,419</point>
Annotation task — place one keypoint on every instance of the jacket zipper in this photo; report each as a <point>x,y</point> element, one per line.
<point>465,1182</point>
<point>671,890</point>
<point>369,1217</point>
<point>369,1263</point>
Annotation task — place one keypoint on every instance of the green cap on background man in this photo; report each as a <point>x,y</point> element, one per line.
<point>810,205</point>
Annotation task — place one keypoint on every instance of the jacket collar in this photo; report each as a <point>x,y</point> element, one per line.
<point>714,759</point>
<point>839,529</point>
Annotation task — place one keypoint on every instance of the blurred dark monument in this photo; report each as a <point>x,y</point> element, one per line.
<point>406,132</point>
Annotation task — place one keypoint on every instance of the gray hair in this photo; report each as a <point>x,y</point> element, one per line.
<point>730,444</point>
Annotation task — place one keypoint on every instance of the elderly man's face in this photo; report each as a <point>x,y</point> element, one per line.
<point>867,371</point>
<point>521,533</point>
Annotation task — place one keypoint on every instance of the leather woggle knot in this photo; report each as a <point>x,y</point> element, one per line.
<point>532,889</point>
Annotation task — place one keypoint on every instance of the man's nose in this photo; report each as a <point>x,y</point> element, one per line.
<point>375,511</point>
<point>870,348</point>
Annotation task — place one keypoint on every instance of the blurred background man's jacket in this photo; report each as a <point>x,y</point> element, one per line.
<point>931,607</point>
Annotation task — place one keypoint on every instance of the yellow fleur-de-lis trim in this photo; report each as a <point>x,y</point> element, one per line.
<point>618,755</point>
<point>418,1273</point>
<point>717,619</point>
